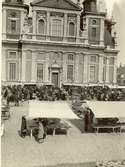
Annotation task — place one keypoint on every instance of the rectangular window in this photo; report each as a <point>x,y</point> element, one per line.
<point>92,73</point>
<point>13,25</point>
<point>93,59</point>
<point>56,27</point>
<point>70,73</point>
<point>39,72</point>
<point>12,71</point>
<point>28,70</point>
<point>93,32</point>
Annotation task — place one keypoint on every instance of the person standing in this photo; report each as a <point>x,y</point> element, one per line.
<point>41,132</point>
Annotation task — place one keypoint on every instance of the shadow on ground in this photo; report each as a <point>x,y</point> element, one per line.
<point>78,123</point>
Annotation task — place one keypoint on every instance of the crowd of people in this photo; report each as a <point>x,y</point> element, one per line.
<point>17,93</point>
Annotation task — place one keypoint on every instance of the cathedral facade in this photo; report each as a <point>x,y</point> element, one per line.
<point>59,42</point>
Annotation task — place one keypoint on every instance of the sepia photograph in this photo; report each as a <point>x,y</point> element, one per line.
<point>62,83</point>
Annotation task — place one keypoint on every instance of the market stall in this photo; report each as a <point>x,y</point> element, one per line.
<point>110,115</point>
<point>53,113</point>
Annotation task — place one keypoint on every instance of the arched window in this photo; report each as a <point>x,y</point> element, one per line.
<point>41,26</point>
<point>71,29</point>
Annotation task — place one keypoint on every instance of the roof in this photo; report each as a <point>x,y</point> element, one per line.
<point>62,110</point>
<point>57,4</point>
<point>107,109</point>
<point>14,4</point>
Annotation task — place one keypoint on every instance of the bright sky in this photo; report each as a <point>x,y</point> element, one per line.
<point>117,8</point>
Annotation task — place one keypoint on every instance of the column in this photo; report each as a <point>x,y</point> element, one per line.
<point>100,74</point>
<point>115,71</point>
<point>4,24</point>
<point>107,71</point>
<point>4,65</point>
<point>65,26</point>
<point>34,24</point>
<point>48,25</point>
<point>46,68</point>
<point>23,78</point>
<point>102,32</point>
<point>78,28</point>
<point>64,68</point>
<point>76,72</point>
<point>86,75</point>
<point>33,70</point>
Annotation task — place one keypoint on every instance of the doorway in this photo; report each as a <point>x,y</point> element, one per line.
<point>55,78</point>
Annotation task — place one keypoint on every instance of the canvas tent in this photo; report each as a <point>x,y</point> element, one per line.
<point>104,109</point>
<point>60,110</point>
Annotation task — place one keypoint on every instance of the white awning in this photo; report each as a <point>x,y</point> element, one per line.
<point>46,109</point>
<point>108,109</point>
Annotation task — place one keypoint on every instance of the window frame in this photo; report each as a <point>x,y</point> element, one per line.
<point>95,64</point>
<point>12,19</point>
<point>68,77</point>
<point>62,28</point>
<point>44,32</point>
<point>8,72</point>
<point>69,29</point>
<point>38,79</point>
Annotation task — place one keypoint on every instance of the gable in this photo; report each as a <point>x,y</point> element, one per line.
<point>57,4</point>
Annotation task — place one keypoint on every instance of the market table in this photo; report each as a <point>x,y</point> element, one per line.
<point>52,110</point>
<point>107,110</point>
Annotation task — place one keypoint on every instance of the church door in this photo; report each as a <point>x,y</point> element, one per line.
<point>55,78</point>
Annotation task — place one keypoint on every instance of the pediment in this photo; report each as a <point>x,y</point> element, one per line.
<point>57,4</point>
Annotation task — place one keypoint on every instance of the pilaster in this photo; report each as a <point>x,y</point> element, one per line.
<point>64,67</point>
<point>22,22</point>
<point>3,69</point>
<point>65,26</point>
<point>115,71</point>
<point>85,74</point>
<point>76,73</point>
<point>78,28</point>
<point>86,31</point>
<point>48,25</point>
<point>19,77</point>
<point>4,24</point>
<point>34,24</point>
<point>107,71</point>
<point>46,72</point>
<point>100,69</point>
<point>102,32</point>
<point>23,78</point>
<point>33,70</point>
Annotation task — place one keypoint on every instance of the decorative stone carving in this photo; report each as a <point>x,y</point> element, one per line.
<point>71,19</point>
<point>27,24</point>
<point>41,15</point>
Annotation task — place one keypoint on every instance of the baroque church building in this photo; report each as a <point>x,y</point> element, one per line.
<point>60,42</point>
